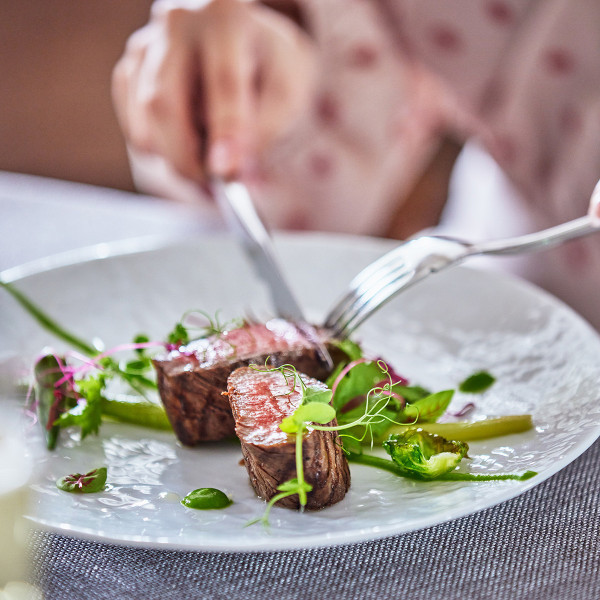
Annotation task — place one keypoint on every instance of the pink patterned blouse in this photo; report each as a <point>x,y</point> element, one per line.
<point>519,77</point>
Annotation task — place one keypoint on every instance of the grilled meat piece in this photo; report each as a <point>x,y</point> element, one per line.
<point>191,379</point>
<point>260,400</point>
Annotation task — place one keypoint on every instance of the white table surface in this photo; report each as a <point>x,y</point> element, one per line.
<point>41,216</point>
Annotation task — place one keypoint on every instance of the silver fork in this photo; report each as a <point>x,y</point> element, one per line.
<point>417,258</point>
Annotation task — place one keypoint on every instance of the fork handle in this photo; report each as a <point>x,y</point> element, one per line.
<point>539,240</point>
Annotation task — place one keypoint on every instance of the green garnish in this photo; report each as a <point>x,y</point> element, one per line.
<point>51,398</point>
<point>468,431</point>
<point>48,322</point>
<point>427,409</point>
<point>477,383</point>
<point>423,455</point>
<point>207,499</point>
<point>87,412</point>
<point>313,408</point>
<point>388,465</point>
<point>367,400</point>
<point>309,412</point>
<point>92,482</point>
<point>180,336</point>
<point>136,411</point>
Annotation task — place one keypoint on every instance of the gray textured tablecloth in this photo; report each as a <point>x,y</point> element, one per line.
<point>543,545</point>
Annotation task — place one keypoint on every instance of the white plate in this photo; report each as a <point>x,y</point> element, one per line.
<point>545,358</point>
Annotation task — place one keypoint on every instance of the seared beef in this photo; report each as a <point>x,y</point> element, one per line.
<point>192,378</point>
<point>260,400</point>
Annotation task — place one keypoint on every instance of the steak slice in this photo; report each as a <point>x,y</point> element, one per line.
<point>192,378</point>
<point>260,400</point>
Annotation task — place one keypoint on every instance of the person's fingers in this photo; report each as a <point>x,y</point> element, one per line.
<point>205,87</point>
<point>165,104</point>
<point>594,209</point>
<point>287,81</point>
<point>124,79</point>
<point>227,65</point>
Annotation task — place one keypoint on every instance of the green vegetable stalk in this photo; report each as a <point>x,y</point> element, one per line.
<point>47,322</point>
<point>468,431</point>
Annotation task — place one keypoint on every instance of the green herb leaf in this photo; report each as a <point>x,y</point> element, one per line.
<point>357,382</point>
<point>294,486</point>
<point>141,338</point>
<point>179,336</point>
<point>87,413</point>
<point>351,349</point>
<point>92,482</point>
<point>411,393</point>
<point>311,412</point>
<point>428,409</point>
<point>370,428</point>
<point>477,383</point>
<point>316,395</point>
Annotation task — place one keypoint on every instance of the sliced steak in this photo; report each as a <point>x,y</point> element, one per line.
<point>191,379</point>
<point>260,401</point>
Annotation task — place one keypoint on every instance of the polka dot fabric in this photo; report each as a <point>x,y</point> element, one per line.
<point>522,76</point>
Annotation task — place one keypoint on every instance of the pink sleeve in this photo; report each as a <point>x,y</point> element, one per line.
<point>528,73</point>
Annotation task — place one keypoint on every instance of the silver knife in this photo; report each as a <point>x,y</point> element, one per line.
<point>237,207</point>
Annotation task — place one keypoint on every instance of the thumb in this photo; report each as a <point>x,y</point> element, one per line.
<point>594,209</point>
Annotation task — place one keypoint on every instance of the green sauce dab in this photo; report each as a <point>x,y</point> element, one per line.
<point>206,499</point>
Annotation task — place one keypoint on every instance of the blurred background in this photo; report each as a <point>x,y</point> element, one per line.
<point>56,116</point>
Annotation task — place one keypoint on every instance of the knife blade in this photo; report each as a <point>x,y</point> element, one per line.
<point>238,209</point>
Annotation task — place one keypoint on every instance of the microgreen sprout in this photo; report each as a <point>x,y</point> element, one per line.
<point>376,404</point>
<point>314,408</point>
<point>70,394</point>
<point>313,413</point>
<point>199,324</point>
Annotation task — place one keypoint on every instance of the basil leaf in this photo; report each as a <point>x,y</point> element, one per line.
<point>428,409</point>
